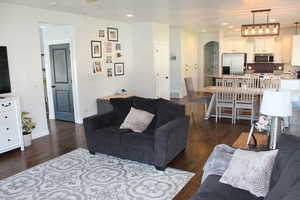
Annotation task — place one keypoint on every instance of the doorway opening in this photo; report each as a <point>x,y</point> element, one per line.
<point>58,69</point>
<point>211,62</point>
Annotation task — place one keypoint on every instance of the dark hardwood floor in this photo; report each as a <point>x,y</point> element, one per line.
<point>65,137</point>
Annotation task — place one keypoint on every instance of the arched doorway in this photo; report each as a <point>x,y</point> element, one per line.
<point>211,61</point>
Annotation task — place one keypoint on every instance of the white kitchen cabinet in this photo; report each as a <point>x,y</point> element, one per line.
<point>234,45</point>
<point>296,50</point>
<point>11,136</point>
<point>264,45</point>
<point>250,50</point>
<point>286,52</point>
<point>278,50</point>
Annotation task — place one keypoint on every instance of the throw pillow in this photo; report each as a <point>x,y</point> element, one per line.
<point>250,171</point>
<point>146,104</point>
<point>218,161</point>
<point>137,120</point>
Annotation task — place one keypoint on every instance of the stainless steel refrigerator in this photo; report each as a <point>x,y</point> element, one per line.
<point>234,63</point>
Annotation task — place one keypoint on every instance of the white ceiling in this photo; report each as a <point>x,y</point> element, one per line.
<point>192,14</point>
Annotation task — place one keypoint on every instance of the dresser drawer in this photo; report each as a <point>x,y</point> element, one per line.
<point>8,118</point>
<point>8,137</point>
<point>7,106</point>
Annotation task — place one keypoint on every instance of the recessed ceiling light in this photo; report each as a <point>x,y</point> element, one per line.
<point>231,27</point>
<point>52,3</point>
<point>203,30</point>
<point>129,15</point>
<point>225,23</point>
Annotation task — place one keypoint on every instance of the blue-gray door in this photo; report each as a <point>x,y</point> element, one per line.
<point>211,62</point>
<point>62,82</point>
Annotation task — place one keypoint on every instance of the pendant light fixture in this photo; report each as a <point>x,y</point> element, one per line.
<point>259,30</point>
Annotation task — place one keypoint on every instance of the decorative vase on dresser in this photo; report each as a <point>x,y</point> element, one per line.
<point>11,136</point>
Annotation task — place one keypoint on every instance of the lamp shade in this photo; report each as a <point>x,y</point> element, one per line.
<point>276,103</point>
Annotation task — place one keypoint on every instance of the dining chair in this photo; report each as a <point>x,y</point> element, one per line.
<point>193,98</point>
<point>244,100</point>
<point>225,98</point>
<point>226,82</point>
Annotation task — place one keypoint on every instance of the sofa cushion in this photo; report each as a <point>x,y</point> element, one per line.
<point>122,106</point>
<point>109,135</point>
<point>293,193</point>
<point>167,111</point>
<point>146,104</point>
<point>212,189</point>
<point>143,140</point>
<point>287,144</point>
<point>289,177</point>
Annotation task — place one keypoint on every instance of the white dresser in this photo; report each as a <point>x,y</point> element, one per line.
<point>11,136</point>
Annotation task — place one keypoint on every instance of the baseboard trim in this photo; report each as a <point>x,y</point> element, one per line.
<point>40,134</point>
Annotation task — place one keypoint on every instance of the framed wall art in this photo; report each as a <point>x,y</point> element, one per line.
<point>96,49</point>
<point>101,33</point>
<point>97,67</point>
<point>109,72</point>
<point>112,34</point>
<point>119,69</point>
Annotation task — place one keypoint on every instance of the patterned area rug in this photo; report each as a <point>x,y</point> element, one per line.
<point>79,176</point>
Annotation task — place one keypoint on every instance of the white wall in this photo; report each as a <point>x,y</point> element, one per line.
<point>204,38</point>
<point>175,63</point>
<point>184,45</point>
<point>145,36</point>
<point>20,32</point>
<point>144,74</point>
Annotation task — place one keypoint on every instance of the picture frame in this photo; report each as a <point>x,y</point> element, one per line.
<point>119,69</point>
<point>96,49</point>
<point>108,47</point>
<point>112,34</point>
<point>101,33</point>
<point>109,72</point>
<point>109,59</point>
<point>118,47</point>
<point>97,67</point>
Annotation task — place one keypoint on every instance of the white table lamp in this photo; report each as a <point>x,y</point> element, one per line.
<point>276,103</point>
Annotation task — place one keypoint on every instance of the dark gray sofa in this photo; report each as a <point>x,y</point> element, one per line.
<point>159,144</point>
<point>285,179</point>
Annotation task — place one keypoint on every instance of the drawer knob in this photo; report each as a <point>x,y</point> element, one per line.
<point>7,129</point>
<point>5,117</point>
<point>9,140</point>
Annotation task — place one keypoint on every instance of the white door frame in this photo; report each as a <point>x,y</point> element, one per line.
<point>74,79</point>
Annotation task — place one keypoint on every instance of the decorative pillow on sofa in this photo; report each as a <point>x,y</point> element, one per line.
<point>146,104</point>
<point>137,120</point>
<point>218,161</point>
<point>250,171</point>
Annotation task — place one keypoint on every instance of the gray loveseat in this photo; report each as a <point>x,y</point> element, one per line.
<point>159,144</point>
<point>285,179</point>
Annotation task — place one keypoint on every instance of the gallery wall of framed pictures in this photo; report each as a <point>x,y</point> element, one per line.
<point>106,53</point>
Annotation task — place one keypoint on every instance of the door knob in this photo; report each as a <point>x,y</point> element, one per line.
<point>53,86</point>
